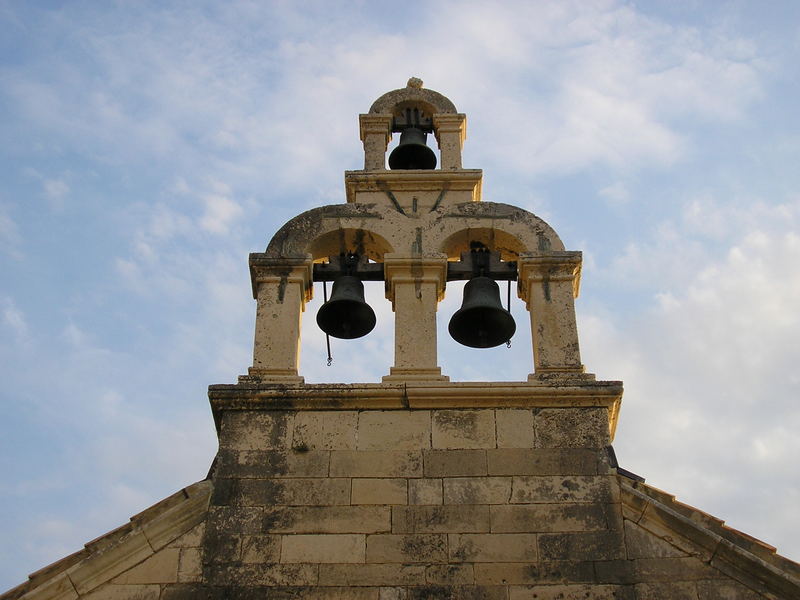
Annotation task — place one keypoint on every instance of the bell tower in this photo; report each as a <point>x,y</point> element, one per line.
<point>416,227</point>
<point>417,487</point>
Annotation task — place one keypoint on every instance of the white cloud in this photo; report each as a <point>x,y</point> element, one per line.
<point>14,320</point>
<point>221,211</point>
<point>709,372</point>
<point>55,189</point>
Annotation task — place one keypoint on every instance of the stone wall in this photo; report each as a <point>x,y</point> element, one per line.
<point>482,503</point>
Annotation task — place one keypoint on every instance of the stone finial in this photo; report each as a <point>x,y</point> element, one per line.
<point>415,82</point>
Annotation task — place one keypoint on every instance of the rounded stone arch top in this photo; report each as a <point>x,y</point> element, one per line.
<point>412,94</point>
<point>505,228</point>
<point>331,230</point>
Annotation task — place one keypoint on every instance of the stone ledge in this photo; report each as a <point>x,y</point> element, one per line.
<point>417,395</point>
<point>735,554</point>
<point>109,555</point>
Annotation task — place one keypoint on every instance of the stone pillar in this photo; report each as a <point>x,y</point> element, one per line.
<point>549,284</point>
<point>281,286</point>
<point>415,285</point>
<point>375,131</point>
<point>451,131</point>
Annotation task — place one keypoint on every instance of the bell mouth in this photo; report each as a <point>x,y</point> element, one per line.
<point>346,315</point>
<point>412,152</point>
<point>482,322</point>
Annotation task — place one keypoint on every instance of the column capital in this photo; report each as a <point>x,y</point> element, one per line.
<point>560,265</point>
<point>375,124</point>
<point>401,269</point>
<point>450,123</point>
<point>278,269</point>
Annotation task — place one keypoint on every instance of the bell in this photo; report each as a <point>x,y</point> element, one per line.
<point>346,315</point>
<point>412,152</point>
<point>481,322</point>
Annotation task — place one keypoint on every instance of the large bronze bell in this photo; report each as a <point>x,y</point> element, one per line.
<point>346,315</point>
<point>482,322</point>
<point>412,152</point>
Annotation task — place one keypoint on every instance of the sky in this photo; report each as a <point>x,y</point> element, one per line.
<point>147,147</point>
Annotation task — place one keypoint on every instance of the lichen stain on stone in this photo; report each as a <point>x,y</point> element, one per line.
<point>570,485</point>
<point>466,421</point>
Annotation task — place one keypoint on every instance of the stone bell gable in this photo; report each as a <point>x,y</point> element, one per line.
<point>417,487</point>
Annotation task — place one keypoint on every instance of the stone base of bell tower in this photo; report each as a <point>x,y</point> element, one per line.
<point>434,490</point>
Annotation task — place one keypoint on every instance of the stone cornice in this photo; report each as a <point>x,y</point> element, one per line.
<point>417,395</point>
<point>413,180</point>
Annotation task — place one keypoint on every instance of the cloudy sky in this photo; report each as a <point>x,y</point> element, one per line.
<point>147,147</point>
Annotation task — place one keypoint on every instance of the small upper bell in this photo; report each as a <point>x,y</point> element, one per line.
<point>412,152</point>
<point>346,315</point>
<point>482,322</point>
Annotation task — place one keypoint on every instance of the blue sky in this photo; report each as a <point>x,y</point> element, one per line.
<point>148,147</point>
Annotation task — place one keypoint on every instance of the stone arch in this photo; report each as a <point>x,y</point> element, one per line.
<point>331,230</point>
<point>435,102</point>
<point>501,227</point>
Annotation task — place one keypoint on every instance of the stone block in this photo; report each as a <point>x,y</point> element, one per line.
<point>325,429</point>
<point>262,464</point>
<point>295,492</point>
<point>542,461</point>
<point>425,491</point>
<point>233,519</point>
<point>256,430</point>
<point>393,593</point>
<point>190,567</point>
<point>585,427</point>
<point>640,543</point>
<point>376,463</point>
<point>492,547</point>
<point>572,488</point>
<point>333,548</point>
<point>371,574</point>
<point>679,590</point>
<point>457,574</point>
<point>420,548</point>
<point>570,592</point>
<point>725,589</point>
<point>678,531</point>
<point>162,567</point>
<point>379,491</point>
<point>112,591</point>
<point>191,539</point>
<point>55,588</point>
<point>457,592</point>
<point>514,428</point>
<point>499,573</point>
<point>596,546</point>
<point>440,519</point>
<point>477,490</point>
<point>327,519</point>
<point>394,430</point>
<point>110,562</point>
<point>463,429</point>
<point>454,463</point>
<point>615,571</point>
<point>261,549</point>
<point>547,518</point>
<point>244,577</point>
<point>674,569</point>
